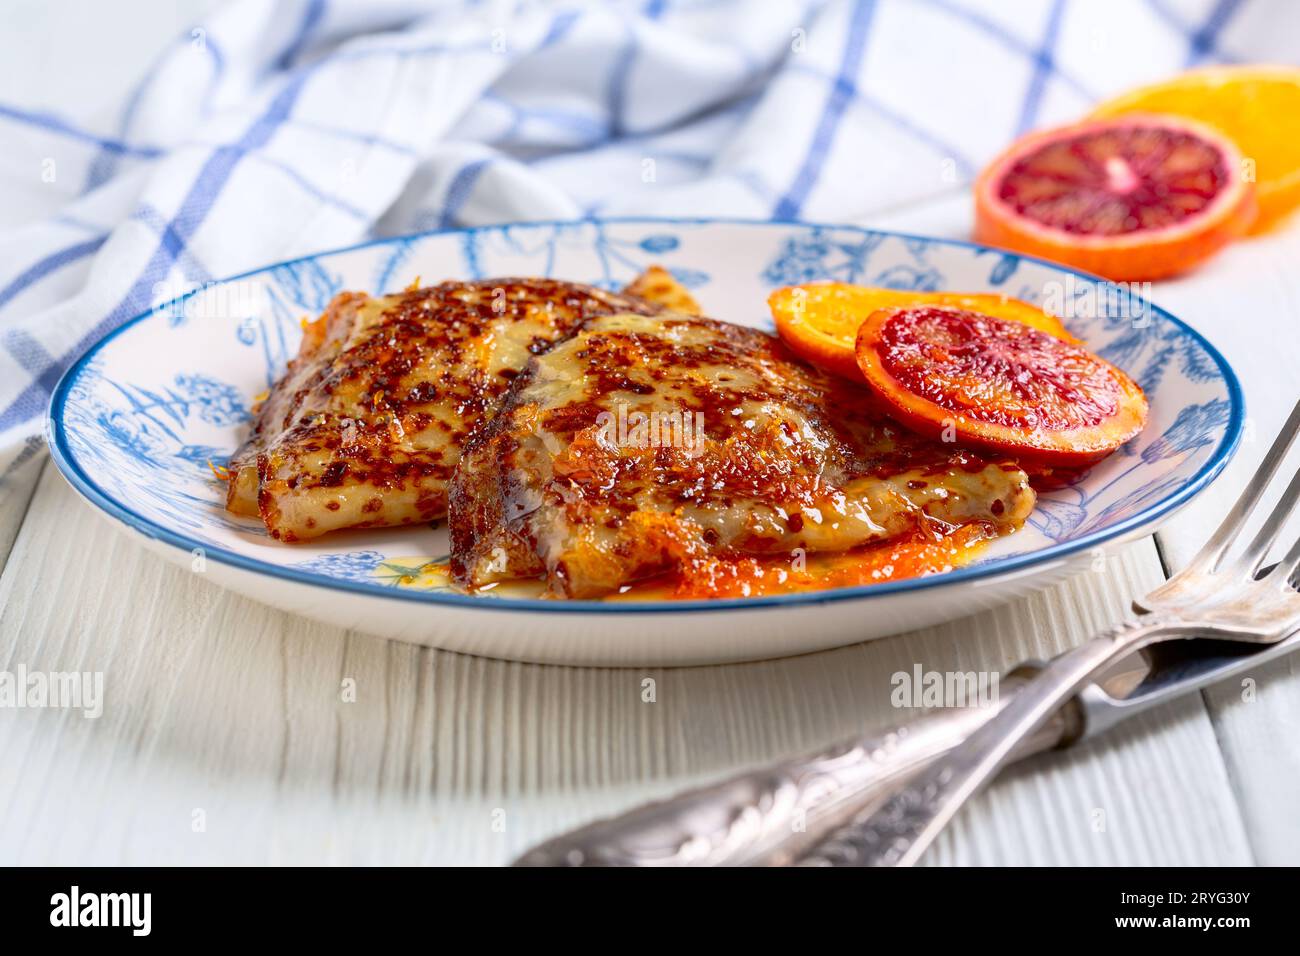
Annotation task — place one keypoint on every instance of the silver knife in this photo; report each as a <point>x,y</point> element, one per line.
<point>801,810</point>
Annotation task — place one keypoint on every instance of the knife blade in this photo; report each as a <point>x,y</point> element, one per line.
<point>1166,671</point>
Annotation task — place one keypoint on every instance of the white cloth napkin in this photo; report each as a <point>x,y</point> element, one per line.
<point>273,130</point>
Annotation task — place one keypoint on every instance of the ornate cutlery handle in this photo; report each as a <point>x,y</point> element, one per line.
<point>772,815</point>
<point>897,832</point>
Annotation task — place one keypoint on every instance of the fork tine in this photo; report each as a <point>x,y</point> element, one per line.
<point>1257,550</point>
<point>1212,553</point>
<point>1287,567</point>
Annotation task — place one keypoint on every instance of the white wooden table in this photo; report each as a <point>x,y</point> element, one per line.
<point>225,738</point>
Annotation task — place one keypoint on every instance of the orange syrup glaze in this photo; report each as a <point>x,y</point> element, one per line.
<point>914,556</point>
<point>917,555</point>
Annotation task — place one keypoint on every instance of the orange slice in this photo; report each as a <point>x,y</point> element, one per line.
<point>1129,198</point>
<point>974,379</point>
<point>820,320</point>
<point>1257,107</point>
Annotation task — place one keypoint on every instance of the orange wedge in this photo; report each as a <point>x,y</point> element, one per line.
<point>1257,107</point>
<point>820,320</point>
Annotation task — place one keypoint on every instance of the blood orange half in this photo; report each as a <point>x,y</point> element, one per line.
<point>1257,107</point>
<point>975,379</point>
<point>1129,197</point>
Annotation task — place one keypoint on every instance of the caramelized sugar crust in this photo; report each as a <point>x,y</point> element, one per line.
<point>646,445</point>
<point>368,422</point>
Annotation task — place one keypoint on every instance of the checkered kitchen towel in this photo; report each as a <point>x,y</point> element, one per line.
<point>277,129</point>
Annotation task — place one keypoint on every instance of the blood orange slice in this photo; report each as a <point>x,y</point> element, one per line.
<point>957,375</point>
<point>1257,107</point>
<point>1129,197</point>
<point>820,320</point>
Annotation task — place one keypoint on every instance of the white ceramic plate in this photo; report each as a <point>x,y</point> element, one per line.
<point>135,422</point>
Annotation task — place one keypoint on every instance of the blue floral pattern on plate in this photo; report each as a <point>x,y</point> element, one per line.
<point>142,424</point>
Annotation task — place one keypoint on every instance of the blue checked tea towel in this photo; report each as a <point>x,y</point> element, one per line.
<point>276,129</point>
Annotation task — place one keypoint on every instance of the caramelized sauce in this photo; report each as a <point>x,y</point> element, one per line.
<point>912,556</point>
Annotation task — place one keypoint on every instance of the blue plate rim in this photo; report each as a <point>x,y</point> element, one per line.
<point>56,438</point>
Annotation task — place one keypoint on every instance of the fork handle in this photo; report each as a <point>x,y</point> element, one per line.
<point>771,815</point>
<point>907,822</point>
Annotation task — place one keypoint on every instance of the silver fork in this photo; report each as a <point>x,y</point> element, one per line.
<point>1219,595</point>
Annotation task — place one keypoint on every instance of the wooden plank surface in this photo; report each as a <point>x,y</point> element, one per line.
<point>16,489</point>
<point>1248,304</point>
<point>222,711</point>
